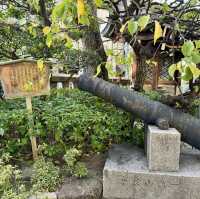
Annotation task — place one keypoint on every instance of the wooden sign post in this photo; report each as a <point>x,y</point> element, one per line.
<point>31,124</point>
<point>25,78</point>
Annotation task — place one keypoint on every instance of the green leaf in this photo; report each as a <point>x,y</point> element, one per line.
<point>109,52</point>
<point>32,30</point>
<point>109,67</point>
<point>99,3</point>
<point>122,29</point>
<point>49,40</point>
<point>165,7</point>
<point>22,21</point>
<point>132,26</point>
<point>58,136</point>
<point>172,69</point>
<point>98,69</point>
<point>143,21</point>
<point>34,3</point>
<point>187,48</point>
<point>195,71</point>
<point>197,43</point>
<point>187,75</point>
<point>158,31</point>
<point>58,11</point>
<point>84,20</point>
<point>69,43</point>
<point>196,57</point>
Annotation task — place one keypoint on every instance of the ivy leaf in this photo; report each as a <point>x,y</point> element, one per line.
<point>158,31</point>
<point>187,48</point>
<point>46,30</point>
<point>132,26</point>
<point>143,21</point>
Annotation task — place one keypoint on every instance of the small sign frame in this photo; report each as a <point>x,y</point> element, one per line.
<point>25,78</point>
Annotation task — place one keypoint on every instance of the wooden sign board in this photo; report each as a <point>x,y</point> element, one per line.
<point>23,78</point>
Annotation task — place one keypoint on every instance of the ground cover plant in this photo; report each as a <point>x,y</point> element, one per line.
<point>45,178</point>
<point>63,120</point>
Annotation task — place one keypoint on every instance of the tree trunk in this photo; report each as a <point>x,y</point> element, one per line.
<point>143,51</point>
<point>43,13</point>
<point>140,73</point>
<point>92,42</point>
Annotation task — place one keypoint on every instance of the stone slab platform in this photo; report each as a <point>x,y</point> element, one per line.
<point>126,176</point>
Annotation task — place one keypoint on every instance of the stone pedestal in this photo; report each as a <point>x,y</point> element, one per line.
<point>126,176</point>
<point>163,149</point>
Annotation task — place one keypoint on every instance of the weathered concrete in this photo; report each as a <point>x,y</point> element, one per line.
<point>163,149</point>
<point>126,176</point>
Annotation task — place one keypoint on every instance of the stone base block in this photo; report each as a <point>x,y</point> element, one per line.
<point>163,149</point>
<point>126,176</point>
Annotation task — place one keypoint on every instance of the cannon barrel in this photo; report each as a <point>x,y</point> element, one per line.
<point>140,106</point>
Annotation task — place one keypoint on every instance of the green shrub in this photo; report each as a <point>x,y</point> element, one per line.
<point>195,108</point>
<point>11,186</point>
<point>63,120</point>
<point>46,176</point>
<point>153,95</point>
<point>73,167</point>
<point>80,170</point>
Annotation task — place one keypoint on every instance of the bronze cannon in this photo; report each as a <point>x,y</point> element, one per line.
<point>140,106</point>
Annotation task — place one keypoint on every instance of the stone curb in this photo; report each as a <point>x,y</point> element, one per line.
<point>52,195</point>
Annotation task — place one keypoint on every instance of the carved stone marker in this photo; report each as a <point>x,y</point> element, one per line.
<point>163,149</point>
